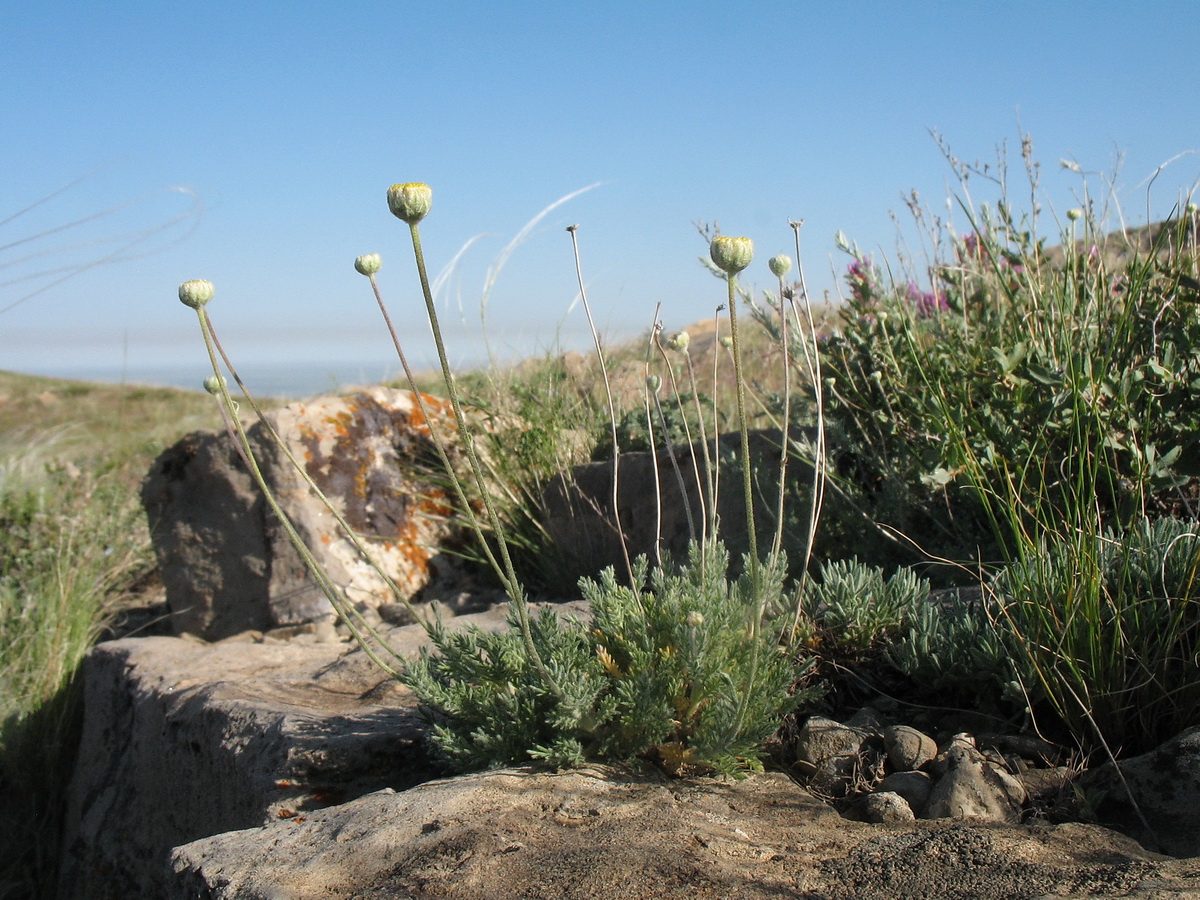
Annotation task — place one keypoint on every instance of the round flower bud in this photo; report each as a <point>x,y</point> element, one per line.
<point>694,619</point>
<point>780,265</point>
<point>1074,214</point>
<point>368,264</point>
<point>679,342</point>
<point>727,341</point>
<point>1192,209</point>
<point>653,383</point>
<point>195,293</point>
<point>410,202</point>
<point>214,383</point>
<point>731,254</point>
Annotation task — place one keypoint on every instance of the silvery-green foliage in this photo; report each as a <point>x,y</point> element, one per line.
<point>960,651</point>
<point>489,706</point>
<point>696,684</point>
<point>675,672</point>
<point>850,607</point>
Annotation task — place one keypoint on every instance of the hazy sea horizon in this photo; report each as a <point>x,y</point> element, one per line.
<point>267,379</point>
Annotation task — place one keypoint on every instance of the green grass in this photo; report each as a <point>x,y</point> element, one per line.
<point>73,545</point>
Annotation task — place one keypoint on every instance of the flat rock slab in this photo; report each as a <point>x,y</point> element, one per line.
<point>604,833</point>
<point>184,739</point>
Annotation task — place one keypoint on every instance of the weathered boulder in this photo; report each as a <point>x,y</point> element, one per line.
<point>971,786</point>
<point>184,739</point>
<point>661,502</point>
<point>1165,786</point>
<point>255,768</point>
<point>226,560</point>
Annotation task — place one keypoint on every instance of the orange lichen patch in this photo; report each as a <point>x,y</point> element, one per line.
<point>435,406</point>
<point>343,421</point>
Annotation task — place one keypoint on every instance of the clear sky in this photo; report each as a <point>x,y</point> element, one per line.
<point>263,136</point>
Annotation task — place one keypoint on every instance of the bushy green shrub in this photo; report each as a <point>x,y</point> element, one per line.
<point>676,673</point>
<point>1030,412</point>
<point>850,609</point>
<point>1055,381</point>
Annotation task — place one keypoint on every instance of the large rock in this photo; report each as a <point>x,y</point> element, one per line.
<point>184,739</point>
<point>226,560</point>
<point>661,501</point>
<point>1156,796</point>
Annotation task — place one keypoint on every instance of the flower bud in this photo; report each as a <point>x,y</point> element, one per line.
<point>368,264</point>
<point>1074,214</point>
<point>195,293</point>
<point>731,254</point>
<point>214,383</point>
<point>410,202</point>
<point>679,342</point>
<point>1192,209</point>
<point>694,619</point>
<point>727,341</point>
<point>653,383</point>
<point>780,265</point>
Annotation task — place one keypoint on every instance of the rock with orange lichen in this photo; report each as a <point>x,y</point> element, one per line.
<point>226,560</point>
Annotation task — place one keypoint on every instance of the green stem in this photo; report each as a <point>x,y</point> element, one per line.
<point>743,427</point>
<point>507,572</point>
<point>319,575</point>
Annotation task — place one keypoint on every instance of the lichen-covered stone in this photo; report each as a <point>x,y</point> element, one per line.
<point>227,562</point>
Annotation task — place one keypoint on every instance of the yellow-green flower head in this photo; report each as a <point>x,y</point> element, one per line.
<point>1074,214</point>
<point>410,202</point>
<point>1192,209</point>
<point>727,341</point>
<point>195,293</point>
<point>731,254</point>
<point>695,619</point>
<point>653,383</point>
<point>213,384</point>
<point>780,264</point>
<point>679,342</point>
<point>368,264</point>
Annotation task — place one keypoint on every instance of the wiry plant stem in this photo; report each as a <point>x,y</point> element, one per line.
<point>612,409</point>
<point>344,609</point>
<point>812,362</point>
<point>743,426</point>
<point>506,571</point>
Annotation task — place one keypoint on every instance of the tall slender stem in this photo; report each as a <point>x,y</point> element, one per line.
<point>507,572</point>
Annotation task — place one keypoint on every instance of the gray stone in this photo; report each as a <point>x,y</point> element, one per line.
<point>907,748</point>
<point>655,494</point>
<point>887,808</point>
<point>973,787</point>
<point>597,833</point>
<point>225,558</point>
<point>258,768</point>
<point>914,787</point>
<point>820,739</point>
<point>184,739</point>
<point>1165,784</point>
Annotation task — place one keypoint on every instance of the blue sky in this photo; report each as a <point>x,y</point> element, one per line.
<point>264,137</point>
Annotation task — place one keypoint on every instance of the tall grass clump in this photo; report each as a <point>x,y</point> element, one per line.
<point>69,539</point>
<point>678,662</point>
<point>1029,415</point>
